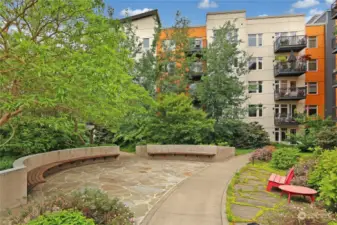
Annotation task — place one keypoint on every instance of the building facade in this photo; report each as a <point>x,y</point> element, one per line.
<point>276,82</point>
<point>321,64</point>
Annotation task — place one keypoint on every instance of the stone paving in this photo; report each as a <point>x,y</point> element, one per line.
<point>248,199</point>
<point>139,183</point>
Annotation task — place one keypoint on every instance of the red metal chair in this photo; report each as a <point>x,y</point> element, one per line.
<point>276,180</point>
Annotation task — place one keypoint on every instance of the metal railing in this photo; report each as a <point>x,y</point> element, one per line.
<point>284,119</point>
<point>334,45</point>
<point>290,41</point>
<point>290,68</point>
<point>334,10</point>
<point>296,93</point>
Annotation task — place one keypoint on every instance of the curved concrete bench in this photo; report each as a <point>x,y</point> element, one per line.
<point>186,152</point>
<point>13,182</point>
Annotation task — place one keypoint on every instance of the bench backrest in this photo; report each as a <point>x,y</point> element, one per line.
<point>289,176</point>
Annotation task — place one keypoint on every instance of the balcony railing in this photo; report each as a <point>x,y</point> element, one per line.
<point>284,120</point>
<point>290,43</point>
<point>334,10</point>
<point>195,47</point>
<point>334,45</point>
<point>287,69</point>
<point>290,93</point>
<point>196,70</point>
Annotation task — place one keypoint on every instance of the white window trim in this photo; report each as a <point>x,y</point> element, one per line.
<point>257,63</point>
<point>257,40</point>
<point>307,107</point>
<point>316,66</point>
<point>307,86</point>
<point>146,49</point>
<point>316,42</point>
<point>257,110</point>
<point>257,83</point>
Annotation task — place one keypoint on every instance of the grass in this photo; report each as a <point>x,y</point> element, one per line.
<point>242,151</point>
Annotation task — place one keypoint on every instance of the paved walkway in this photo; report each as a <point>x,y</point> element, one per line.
<point>199,199</point>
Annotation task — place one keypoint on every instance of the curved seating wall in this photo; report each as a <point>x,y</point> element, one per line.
<point>13,182</point>
<point>186,152</point>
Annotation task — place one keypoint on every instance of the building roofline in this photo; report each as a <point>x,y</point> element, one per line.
<point>142,16</point>
<point>279,16</point>
<point>226,12</point>
<point>194,26</point>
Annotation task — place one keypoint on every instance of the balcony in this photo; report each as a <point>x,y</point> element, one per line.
<point>334,45</point>
<point>334,10</point>
<point>196,71</point>
<point>290,69</point>
<point>284,94</point>
<point>290,43</point>
<point>285,120</point>
<point>195,47</point>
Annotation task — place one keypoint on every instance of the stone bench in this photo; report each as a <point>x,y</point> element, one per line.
<point>186,152</point>
<point>30,170</point>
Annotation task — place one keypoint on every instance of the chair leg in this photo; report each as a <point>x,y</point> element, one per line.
<point>269,187</point>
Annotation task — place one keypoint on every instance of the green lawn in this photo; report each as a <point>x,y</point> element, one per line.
<point>242,151</point>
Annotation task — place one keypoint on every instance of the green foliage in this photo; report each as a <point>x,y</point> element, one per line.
<point>324,179</point>
<point>178,122</point>
<point>284,158</point>
<point>302,170</point>
<point>65,59</point>
<point>92,203</point>
<point>6,162</point>
<point>62,218</point>
<point>316,132</point>
<point>32,138</point>
<point>240,134</point>
<point>327,138</point>
<point>221,92</point>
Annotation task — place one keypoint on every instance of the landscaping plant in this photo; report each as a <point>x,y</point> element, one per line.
<point>302,170</point>
<point>62,218</point>
<point>92,203</point>
<point>284,158</point>
<point>324,179</point>
<point>261,154</point>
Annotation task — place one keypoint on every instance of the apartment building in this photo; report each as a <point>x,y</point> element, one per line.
<point>333,48</point>
<point>144,26</point>
<point>276,82</point>
<point>321,63</point>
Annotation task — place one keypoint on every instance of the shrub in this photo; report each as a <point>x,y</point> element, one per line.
<point>327,138</point>
<point>6,162</point>
<point>32,138</point>
<point>295,215</point>
<point>262,154</point>
<point>240,134</point>
<point>178,122</point>
<point>61,218</point>
<point>284,158</point>
<point>93,204</point>
<point>302,170</point>
<point>324,179</point>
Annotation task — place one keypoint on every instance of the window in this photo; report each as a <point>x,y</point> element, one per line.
<point>214,33</point>
<point>312,65</point>
<point>252,63</point>
<point>252,40</point>
<point>312,42</point>
<point>233,36</point>
<point>196,67</point>
<point>197,43</point>
<point>281,134</point>
<point>236,62</point>
<point>170,67</point>
<point>312,110</point>
<point>259,39</point>
<point>260,59</point>
<point>255,63</point>
<point>169,45</point>
<point>255,86</point>
<point>255,110</point>
<point>311,88</point>
<point>146,43</point>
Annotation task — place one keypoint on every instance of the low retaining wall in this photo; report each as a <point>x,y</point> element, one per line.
<point>13,182</point>
<point>186,152</point>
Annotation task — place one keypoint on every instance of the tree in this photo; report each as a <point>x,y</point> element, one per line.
<point>63,59</point>
<point>221,92</point>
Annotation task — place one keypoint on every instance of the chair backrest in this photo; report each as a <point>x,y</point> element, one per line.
<point>289,176</point>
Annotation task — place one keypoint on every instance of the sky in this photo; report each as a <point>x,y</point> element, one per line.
<point>195,10</point>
